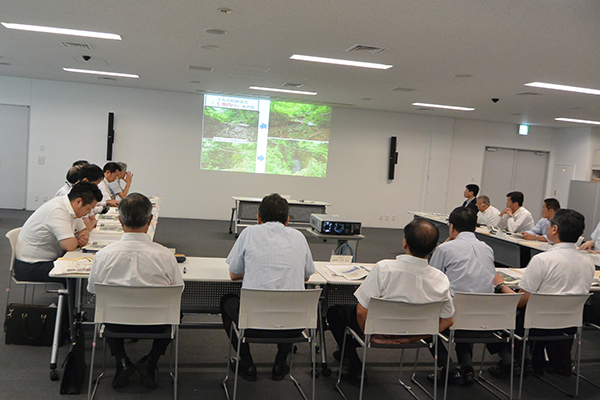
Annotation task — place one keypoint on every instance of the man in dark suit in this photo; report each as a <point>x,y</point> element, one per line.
<point>471,192</point>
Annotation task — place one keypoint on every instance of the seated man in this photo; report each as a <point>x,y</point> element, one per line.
<point>52,230</point>
<point>111,171</point>
<point>593,245</point>
<point>135,261</point>
<point>469,265</point>
<point>115,186</point>
<point>72,179</point>
<point>488,214</point>
<point>471,191</point>
<point>407,278</point>
<point>267,256</point>
<point>515,217</point>
<point>538,232</point>
<point>560,270</point>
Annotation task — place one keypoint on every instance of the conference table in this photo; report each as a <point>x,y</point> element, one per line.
<point>246,208</point>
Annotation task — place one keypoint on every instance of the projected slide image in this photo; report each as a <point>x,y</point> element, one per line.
<point>263,136</point>
<point>296,157</point>
<point>299,121</point>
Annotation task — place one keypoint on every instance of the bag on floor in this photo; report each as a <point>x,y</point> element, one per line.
<point>29,324</point>
<point>74,372</point>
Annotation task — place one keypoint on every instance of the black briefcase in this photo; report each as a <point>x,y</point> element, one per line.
<point>30,324</point>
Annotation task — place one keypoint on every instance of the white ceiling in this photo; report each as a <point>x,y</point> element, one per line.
<point>501,44</point>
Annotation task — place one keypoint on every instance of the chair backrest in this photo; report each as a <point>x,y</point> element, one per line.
<point>389,317</point>
<point>13,236</point>
<point>555,311</point>
<point>484,311</point>
<point>140,305</point>
<point>278,309</point>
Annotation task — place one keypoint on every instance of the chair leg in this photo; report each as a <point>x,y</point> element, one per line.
<point>228,364</point>
<point>337,384</point>
<point>525,337</point>
<point>364,365</point>
<point>56,336</point>
<point>450,340</point>
<point>176,367</point>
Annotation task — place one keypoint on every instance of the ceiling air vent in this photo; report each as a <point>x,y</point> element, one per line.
<point>198,68</point>
<point>402,89</point>
<point>527,94</point>
<point>107,78</point>
<point>293,85</point>
<point>78,46</point>
<point>361,48</point>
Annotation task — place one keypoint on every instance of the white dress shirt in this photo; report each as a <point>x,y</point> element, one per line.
<point>596,237</point>
<point>408,279</point>
<point>134,261</point>
<point>468,263</point>
<point>491,216</point>
<point>40,237</point>
<point>560,270</point>
<point>271,256</point>
<point>520,221</point>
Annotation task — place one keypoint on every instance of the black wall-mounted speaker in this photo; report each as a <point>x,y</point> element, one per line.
<point>393,160</point>
<point>111,136</point>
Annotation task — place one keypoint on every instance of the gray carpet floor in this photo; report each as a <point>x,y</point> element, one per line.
<point>24,371</point>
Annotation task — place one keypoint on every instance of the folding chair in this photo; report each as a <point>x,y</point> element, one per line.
<point>554,311</point>
<point>484,312</point>
<point>388,317</point>
<point>144,305</point>
<point>13,237</point>
<point>276,310</point>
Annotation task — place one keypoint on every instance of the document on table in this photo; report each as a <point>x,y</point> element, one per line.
<point>512,276</point>
<point>350,272</point>
<point>68,266</point>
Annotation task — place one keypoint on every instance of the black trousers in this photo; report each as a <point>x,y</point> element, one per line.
<point>117,345</point>
<point>230,311</point>
<point>338,318</point>
<point>36,272</point>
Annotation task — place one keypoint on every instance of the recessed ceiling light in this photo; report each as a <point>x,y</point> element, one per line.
<point>225,10</point>
<point>215,31</point>
<point>282,90</point>
<point>336,61</point>
<point>61,31</point>
<point>578,121</point>
<point>209,47</point>
<point>564,88</point>
<point>87,71</point>
<point>443,106</point>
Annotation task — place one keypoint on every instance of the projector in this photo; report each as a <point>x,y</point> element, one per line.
<point>334,225</point>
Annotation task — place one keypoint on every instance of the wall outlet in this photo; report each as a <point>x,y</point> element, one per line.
<point>41,160</point>
<point>36,197</point>
<point>387,217</point>
<point>380,217</point>
<point>393,217</point>
<point>45,198</point>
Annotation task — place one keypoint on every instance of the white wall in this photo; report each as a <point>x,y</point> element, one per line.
<point>468,148</point>
<point>159,135</point>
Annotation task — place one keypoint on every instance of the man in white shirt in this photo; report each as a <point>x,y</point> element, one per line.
<point>560,270</point>
<point>407,278</point>
<point>53,229</point>
<point>135,261</point>
<point>593,245</point>
<point>538,232</point>
<point>111,171</point>
<point>488,214</point>
<point>469,265</point>
<point>267,256</point>
<point>515,217</point>
<point>115,186</point>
